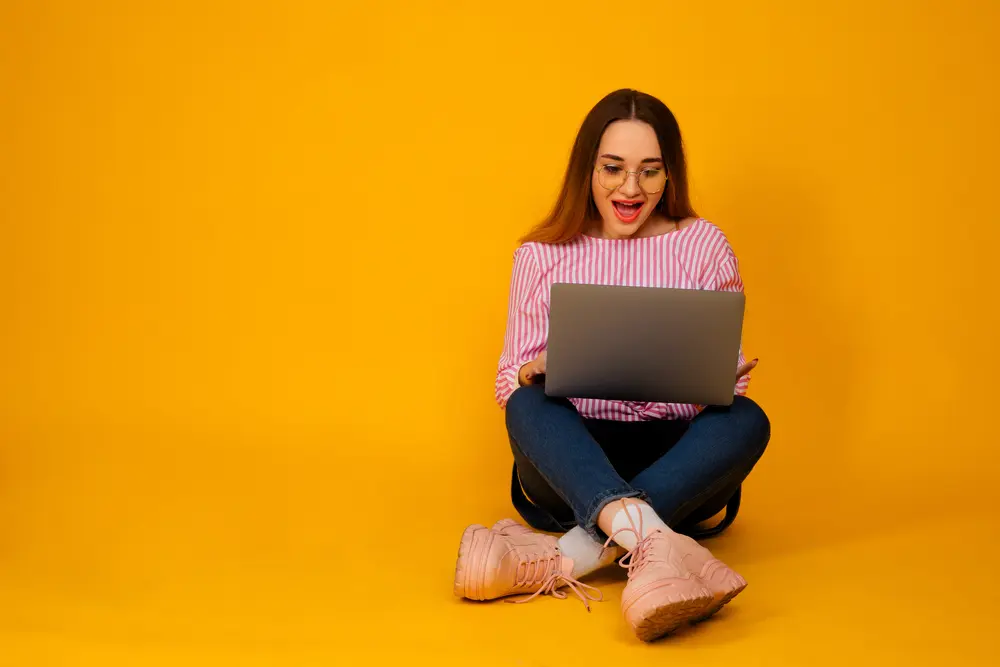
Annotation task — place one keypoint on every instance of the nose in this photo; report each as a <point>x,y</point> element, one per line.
<point>630,188</point>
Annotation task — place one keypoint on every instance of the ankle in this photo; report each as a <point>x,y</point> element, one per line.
<point>606,517</point>
<point>632,520</point>
<point>587,554</point>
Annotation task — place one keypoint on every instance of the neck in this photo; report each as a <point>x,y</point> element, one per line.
<point>656,225</point>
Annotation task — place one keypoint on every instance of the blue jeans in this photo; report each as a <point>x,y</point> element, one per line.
<point>569,467</point>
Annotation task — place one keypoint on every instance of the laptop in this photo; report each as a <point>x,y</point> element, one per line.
<point>648,344</point>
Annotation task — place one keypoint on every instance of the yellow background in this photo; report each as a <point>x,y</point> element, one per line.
<point>254,260</point>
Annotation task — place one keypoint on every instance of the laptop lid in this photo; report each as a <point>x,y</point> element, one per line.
<point>648,344</point>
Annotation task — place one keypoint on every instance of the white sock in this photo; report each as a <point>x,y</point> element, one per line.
<point>631,516</point>
<point>588,554</point>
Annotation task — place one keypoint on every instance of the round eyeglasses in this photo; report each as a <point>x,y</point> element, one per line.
<point>650,179</point>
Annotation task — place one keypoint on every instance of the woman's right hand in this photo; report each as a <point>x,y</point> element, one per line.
<point>532,370</point>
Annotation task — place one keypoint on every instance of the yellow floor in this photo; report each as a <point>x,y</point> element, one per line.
<point>227,555</point>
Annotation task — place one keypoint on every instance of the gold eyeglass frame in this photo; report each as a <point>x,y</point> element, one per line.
<point>628,174</point>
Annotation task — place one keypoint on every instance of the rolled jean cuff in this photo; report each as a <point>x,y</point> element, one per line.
<point>602,501</point>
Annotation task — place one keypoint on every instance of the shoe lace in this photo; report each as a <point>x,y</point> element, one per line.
<point>544,572</point>
<point>639,557</point>
<point>641,554</point>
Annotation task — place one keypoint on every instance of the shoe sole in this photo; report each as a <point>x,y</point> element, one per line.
<point>662,619</point>
<point>717,607</point>
<point>472,550</point>
<point>723,597</point>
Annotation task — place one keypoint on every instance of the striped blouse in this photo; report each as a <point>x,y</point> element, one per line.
<point>695,257</point>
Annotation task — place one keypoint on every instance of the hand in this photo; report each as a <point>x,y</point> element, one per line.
<point>746,368</point>
<point>531,370</point>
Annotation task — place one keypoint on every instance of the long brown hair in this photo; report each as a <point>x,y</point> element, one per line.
<point>575,205</point>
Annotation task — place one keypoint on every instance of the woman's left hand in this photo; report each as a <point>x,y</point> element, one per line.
<point>746,368</point>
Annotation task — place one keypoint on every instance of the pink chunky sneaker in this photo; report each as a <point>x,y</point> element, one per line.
<point>661,593</point>
<point>723,582</point>
<point>511,527</point>
<point>514,561</point>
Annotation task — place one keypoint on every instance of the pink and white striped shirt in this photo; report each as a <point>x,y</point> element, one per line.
<point>695,257</point>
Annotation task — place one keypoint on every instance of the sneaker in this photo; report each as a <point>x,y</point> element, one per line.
<point>511,527</point>
<point>719,578</point>
<point>662,593</point>
<point>494,564</point>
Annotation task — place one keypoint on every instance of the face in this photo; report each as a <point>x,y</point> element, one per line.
<point>629,177</point>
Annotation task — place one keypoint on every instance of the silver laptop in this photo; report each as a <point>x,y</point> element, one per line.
<point>643,344</point>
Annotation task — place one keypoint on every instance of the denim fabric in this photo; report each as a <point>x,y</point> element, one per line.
<point>570,468</point>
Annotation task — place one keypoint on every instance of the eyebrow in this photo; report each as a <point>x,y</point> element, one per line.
<point>646,161</point>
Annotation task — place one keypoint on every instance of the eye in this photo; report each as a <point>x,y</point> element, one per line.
<point>651,173</point>
<point>611,169</point>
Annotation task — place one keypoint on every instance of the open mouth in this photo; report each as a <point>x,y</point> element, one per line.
<point>627,211</point>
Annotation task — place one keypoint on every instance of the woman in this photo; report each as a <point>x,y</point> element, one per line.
<point>616,477</point>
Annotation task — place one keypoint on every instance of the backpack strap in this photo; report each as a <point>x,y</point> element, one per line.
<point>732,508</point>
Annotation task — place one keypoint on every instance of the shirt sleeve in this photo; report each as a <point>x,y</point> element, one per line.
<point>727,279</point>
<point>527,322</point>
